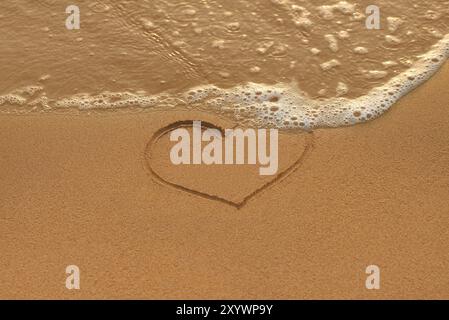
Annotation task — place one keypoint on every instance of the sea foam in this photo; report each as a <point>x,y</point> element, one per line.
<point>340,74</point>
<point>282,105</point>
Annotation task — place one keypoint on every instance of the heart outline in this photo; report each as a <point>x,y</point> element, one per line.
<point>309,139</point>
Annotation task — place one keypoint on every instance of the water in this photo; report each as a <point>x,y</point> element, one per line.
<point>283,63</point>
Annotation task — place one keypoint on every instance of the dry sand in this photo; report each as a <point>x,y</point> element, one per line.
<point>76,190</point>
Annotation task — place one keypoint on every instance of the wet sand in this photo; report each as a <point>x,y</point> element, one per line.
<point>76,190</point>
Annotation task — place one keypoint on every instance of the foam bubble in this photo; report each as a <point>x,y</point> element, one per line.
<point>360,50</point>
<point>330,64</point>
<point>283,105</point>
<point>394,23</point>
<point>332,41</point>
<point>277,105</point>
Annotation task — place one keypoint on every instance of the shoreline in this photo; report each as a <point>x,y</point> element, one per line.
<point>77,192</point>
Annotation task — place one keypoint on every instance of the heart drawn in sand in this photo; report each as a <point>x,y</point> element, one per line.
<point>233,185</point>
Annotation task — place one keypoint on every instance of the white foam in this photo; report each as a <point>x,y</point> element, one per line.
<point>283,105</point>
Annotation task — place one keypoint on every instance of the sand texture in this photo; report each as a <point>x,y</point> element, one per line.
<point>86,179</point>
<point>370,194</point>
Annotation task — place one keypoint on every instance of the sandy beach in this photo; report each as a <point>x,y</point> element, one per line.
<point>375,193</point>
<point>362,177</point>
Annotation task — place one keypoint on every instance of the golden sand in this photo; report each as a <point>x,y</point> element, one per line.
<point>78,185</point>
